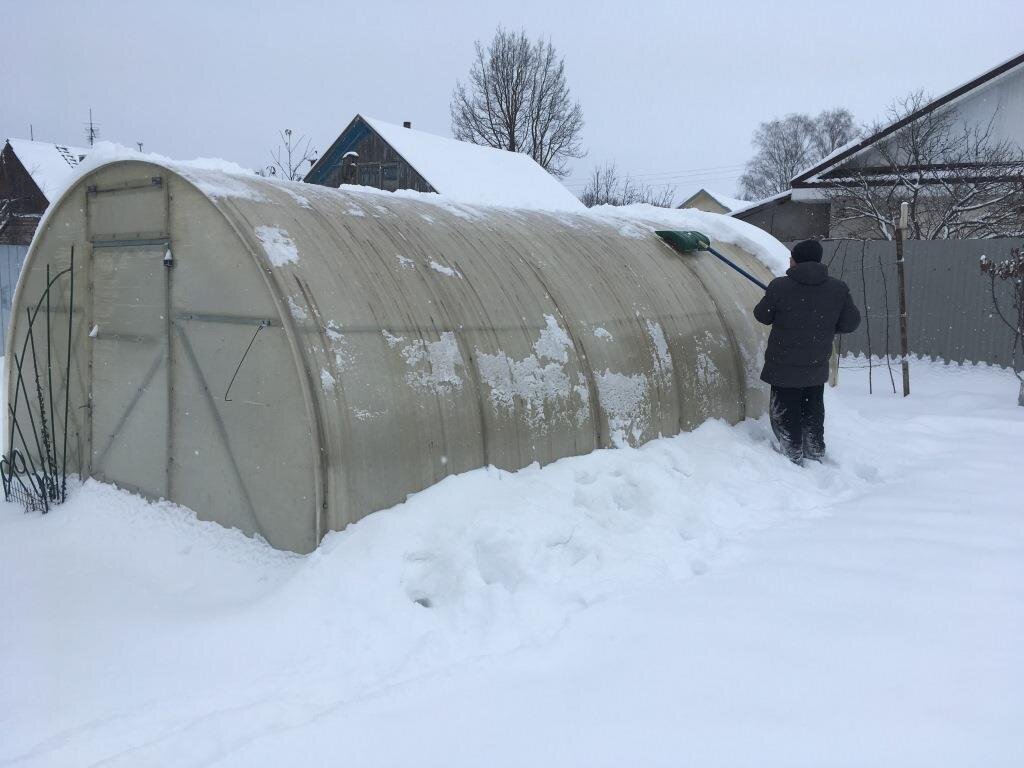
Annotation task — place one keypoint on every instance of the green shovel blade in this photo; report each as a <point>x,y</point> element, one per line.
<point>686,241</point>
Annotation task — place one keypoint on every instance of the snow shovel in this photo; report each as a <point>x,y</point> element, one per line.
<point>691,242</point>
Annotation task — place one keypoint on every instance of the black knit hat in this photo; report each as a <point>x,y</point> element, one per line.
<point>807,250</point>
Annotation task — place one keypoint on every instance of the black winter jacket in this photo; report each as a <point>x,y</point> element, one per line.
<point>805,309</point>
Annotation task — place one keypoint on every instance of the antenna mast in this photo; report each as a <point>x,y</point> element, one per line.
<point>92,131</point>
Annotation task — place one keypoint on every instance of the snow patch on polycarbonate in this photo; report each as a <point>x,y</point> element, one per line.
<point>553,342</point>
<point>297,312</point>
<point>278,245</point>
<point>364,415</point>
<point>462,212</point>
<point>603,333</point>
<point>536,379</point>
<point>447,271</point>
<point>302,201</point>
<point>219,185</point>
<point>706,375</point>
<point>434,365</point>
<point>327,380</point>
<point>661,358</point>
<point>707,371</point>
<point>583,393</point>
<point>405,262</point>
<point>624,400</point>
<point>338,345</point>
<point>635,231</point>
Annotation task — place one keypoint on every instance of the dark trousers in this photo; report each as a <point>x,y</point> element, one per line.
<point>798,421</point>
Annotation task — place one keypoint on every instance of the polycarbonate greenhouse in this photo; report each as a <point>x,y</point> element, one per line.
<point>287,359</point>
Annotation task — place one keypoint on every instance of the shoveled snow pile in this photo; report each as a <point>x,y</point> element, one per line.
<point>697,601</point>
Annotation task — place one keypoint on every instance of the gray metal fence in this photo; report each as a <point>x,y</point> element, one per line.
<point>948,302</point>
<point>11,259</point>
<point>949,305</point>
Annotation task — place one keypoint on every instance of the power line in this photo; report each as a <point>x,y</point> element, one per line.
<point>698,169</point>
<point>681,172</point>
<point>697,179</point>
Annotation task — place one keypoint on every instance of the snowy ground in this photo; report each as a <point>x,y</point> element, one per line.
<point>699,601</point>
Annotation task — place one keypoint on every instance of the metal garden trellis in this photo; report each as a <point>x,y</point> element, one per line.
<point>38,487</point>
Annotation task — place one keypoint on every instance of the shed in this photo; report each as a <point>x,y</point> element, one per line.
<point>32,174</point>
<point>288,358</point>
<point>713,202</point>
<point>787,219</point>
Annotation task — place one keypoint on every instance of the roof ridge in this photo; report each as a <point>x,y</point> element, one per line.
<point>855,146</point>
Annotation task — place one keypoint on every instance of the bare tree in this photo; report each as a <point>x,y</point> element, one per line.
<point>1011,271</point>
<point>606,188</point>
<point>785,146</point>
<point>292,158</point>
<point>959,179</point>
<point>516,98</point>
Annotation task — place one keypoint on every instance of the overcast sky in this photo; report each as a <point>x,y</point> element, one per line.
<point>671,90</point>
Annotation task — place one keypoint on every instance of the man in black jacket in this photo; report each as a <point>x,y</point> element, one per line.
<point>805,309</point>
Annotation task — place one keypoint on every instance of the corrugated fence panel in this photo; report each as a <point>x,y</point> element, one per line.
<point>11,259</point>
<point>950,314</point>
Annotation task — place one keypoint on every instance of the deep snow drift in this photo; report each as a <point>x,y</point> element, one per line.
<point>695,601</point>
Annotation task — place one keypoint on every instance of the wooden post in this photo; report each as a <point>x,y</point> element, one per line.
<point>903,298</point>
<point>833,364</point>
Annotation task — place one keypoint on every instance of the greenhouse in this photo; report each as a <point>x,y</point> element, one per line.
<point>286,358</point>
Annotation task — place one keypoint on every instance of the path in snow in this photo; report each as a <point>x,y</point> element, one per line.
<point>698,600</point>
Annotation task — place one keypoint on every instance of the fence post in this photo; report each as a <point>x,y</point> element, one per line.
<point>903,298</point>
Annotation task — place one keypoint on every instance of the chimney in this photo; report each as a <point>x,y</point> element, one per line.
<point>407,124</point>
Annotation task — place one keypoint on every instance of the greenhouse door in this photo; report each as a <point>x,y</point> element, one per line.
<point>129,337</point>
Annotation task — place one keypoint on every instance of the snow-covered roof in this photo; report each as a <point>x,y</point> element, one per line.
<point>842,154</point>
<point>730,203</point>
<point>749,205</point>
<point>474,174</point>
<point>51,166</point>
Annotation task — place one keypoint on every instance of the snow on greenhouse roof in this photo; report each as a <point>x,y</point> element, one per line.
<point>473,174</point>
<point>224,179</point>
<point>638,220</point>
<point>51,166</point>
